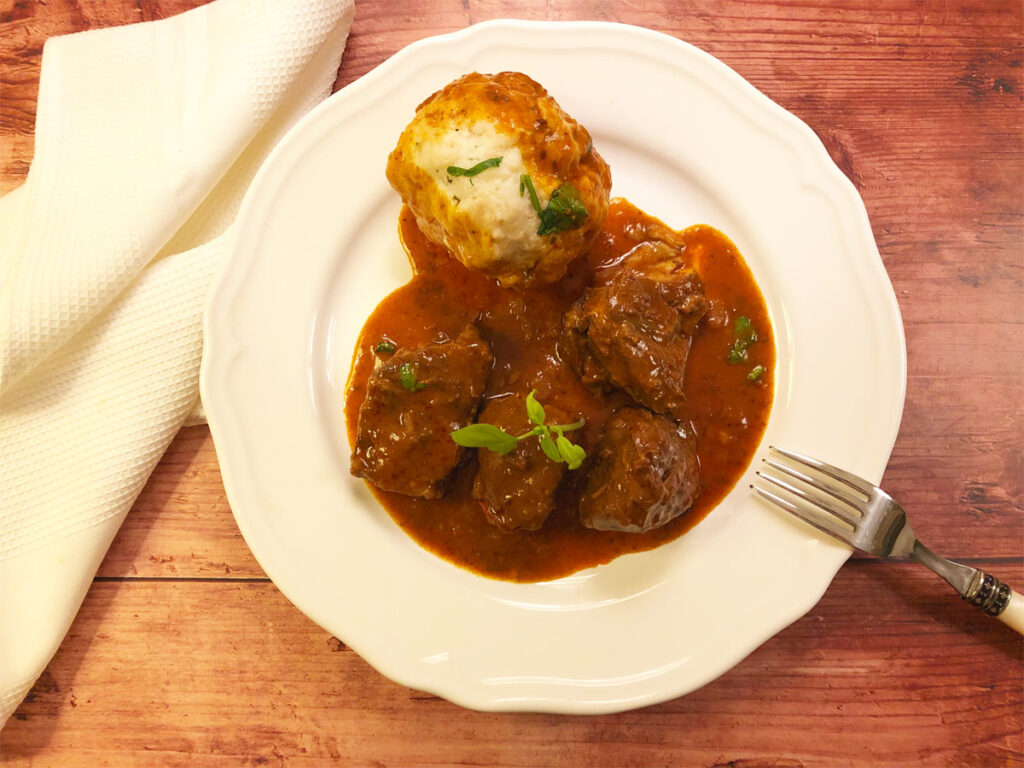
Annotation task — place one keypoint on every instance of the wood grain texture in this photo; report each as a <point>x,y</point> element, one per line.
<point>255,681</point>
<point>184,654</point>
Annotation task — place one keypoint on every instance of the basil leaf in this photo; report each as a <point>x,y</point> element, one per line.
<point>557,448</point>
<point>755,373</point>
<point>534,410</point>
<point>572,454</point>
<point>550,449</point>
<point>485,436</point>
<point>385,346</point>
<point>483,165</point>
<point>579,455</point>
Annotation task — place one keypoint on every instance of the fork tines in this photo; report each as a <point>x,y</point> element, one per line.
<point>818,493</point>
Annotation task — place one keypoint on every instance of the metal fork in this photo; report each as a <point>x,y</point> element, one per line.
<point>867,518</point>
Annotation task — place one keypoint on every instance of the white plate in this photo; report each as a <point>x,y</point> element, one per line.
<point>689,141</point>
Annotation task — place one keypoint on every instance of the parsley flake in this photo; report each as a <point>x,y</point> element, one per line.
<point>483,165</point>
<point>565,209</point>
<point>407,374</point>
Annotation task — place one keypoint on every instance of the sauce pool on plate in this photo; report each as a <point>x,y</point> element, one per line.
<point>728,389</point>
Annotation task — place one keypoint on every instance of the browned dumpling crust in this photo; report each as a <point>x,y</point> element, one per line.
<point>541,196</point>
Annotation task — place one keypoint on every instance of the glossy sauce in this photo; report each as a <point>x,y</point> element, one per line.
<point>728,411</point>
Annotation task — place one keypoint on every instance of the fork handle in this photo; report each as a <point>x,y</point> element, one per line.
<point>996,599</point>
<point>978,588</point>
<point>1013,614</point>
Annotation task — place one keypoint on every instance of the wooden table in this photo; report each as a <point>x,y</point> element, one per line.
<point>185,654</point>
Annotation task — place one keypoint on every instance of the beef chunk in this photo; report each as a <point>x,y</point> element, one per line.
<point>634,331</point>
<point>645,473</point>
<point>403,440</point>
<point>517,490</point>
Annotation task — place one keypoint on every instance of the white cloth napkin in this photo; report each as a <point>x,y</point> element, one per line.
<point>146,139</point>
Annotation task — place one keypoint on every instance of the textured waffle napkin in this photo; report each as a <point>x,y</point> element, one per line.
<point>146,139</point>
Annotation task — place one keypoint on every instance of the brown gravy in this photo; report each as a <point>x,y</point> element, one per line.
<point>728,411</point>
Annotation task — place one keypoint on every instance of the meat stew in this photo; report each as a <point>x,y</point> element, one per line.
<point>712,393</point>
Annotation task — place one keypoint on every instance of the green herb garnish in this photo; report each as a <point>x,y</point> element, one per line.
<point>534,410</point>
<point>553,442</point>
<point>407,373</point>
<point>572,453</point>
<point>483,165</point>
<point>745,335</point>
<point>550,448</point>
<point>755,373</point>
<point>526,185</point>
<point>486,436</point>
<point>565,209</point>
<point>385,346</point>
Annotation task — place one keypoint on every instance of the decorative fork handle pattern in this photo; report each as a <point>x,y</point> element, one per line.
<point>978,588</point>
<point>988,593</point>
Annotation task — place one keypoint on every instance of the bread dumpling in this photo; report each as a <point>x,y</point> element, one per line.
<point>495,171</point>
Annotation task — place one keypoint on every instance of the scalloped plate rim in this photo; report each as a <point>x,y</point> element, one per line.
<point>215,362</point>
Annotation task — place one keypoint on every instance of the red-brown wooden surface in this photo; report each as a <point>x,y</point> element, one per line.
<point>185,654</point>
